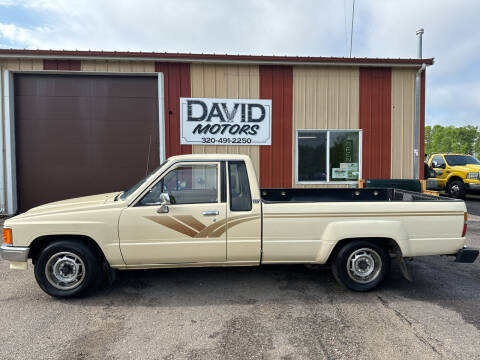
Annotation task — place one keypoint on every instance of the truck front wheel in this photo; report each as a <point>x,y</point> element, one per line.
<point>457,189</point>
<point>67,268</point>
<point>361,265</point>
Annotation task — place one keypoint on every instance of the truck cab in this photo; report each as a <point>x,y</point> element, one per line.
<point>457,174</point>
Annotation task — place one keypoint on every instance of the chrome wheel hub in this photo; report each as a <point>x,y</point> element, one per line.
<point>364,265</point>
<point>455,189</point>
<point>65,270</point>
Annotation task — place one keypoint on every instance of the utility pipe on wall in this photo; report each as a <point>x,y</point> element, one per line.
<point>161,117</point>
<point>416,134</point>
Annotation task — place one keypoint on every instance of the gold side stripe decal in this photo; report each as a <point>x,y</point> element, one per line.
<point>190,226</point>
<point>364,214</point>
<point>191,221</point>
<point>173,224</point>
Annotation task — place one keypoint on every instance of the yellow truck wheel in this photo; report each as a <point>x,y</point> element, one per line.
<point>457,189</point>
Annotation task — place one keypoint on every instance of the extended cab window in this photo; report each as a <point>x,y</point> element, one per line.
<point>461,160</point>
<point>437,161</point>
<point>240,197</point>
<point>187,184</point>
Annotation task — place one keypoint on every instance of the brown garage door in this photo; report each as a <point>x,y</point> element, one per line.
<point>78,135</point>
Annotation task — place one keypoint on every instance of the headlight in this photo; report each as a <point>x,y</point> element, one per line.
<point>473,175</point>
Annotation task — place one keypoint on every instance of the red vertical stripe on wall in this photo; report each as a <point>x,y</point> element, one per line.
<point>69,65</point>
<point>422,126</point>
<point>176,85</point>
<point>276,83</point>
<point>375,121</point>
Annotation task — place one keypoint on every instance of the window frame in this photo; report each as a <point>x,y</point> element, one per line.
<point>441,157</point>
<point>328,132</point>
<point>230,162</point>
<point>174,167</point>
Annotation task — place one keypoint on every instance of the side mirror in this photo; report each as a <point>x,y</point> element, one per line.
<point>164,202</point>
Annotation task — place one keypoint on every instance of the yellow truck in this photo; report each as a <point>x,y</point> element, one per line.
<point>457,174</point>
<point>208,210</point>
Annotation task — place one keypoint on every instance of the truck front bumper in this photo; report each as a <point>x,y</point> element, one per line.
<point>14,253</point>
<point>473,186</point>
<point>466,255</point>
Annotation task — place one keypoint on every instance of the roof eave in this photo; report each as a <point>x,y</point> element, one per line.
<point>211,58</point>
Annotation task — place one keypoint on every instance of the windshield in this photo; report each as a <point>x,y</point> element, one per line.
<point>130,191</point>
<point>455,160</point>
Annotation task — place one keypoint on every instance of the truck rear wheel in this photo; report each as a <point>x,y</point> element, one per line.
<point>457,189</point>
<point>67,268</point>
<point>361,265</point>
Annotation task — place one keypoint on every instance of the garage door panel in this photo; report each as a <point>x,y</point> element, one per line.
<point>122,160</point>
<point>51,156</point>
<point>124,133</point>
<point>63,86</point>
<point>38,108</point>
<point>81,144</point>
<point>41,132</point>
<point>138,87</point>
<point>53,85</point>
<point>124,108</point>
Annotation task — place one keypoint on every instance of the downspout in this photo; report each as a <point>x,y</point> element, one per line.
<point>161,116</point>
<point>2,143</point>
<point>416,134</point>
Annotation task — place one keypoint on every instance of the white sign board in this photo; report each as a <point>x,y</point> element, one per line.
<point>225,121</point>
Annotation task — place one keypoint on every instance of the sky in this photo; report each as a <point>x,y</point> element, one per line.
<point>381,28</point>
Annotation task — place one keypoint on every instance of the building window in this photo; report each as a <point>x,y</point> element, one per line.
<point>328,156</point>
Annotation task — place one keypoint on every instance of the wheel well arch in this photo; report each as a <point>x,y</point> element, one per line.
<point>454,178</point>
<point>39,243</point>
<point>388,243</point>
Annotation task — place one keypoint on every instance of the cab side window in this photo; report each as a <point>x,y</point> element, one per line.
<point>240,197</point>
<point>438,162</point>
<point>187,184</point>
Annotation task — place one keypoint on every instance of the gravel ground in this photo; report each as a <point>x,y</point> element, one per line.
<point>271,312</point>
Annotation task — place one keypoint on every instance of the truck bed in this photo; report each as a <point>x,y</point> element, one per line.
<point>307,223</point>
<point>345,195</point>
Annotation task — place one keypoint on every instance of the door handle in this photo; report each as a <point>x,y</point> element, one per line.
<point>210,213</point>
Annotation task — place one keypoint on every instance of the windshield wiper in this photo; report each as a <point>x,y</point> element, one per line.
<point>118,195</point>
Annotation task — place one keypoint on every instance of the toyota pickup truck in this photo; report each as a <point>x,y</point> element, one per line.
<point>208,210</point>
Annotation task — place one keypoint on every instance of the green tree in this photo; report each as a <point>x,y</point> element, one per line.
<point>428,139</point>
<point>463,139</point>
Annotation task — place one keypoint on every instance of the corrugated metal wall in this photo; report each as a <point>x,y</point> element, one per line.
<point>324,98</point>
<point>374,119</point>
<point>177,84</point>
<point>226,81</point>
<point>67,65</point>
<point>321,97</point>
<point>118,66</point>
<point>12,64</point>
<point>22,64</point>
<point>276,83</point>
<point>403,115</point>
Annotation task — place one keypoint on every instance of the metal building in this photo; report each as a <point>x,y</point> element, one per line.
<point>75,123</point>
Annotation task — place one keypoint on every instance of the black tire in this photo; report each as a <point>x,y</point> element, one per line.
<point>366,252</point>
<point>63,257</point>
<point>457,189</point>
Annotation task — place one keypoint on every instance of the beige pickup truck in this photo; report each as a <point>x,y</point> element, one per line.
<point>208,210</point>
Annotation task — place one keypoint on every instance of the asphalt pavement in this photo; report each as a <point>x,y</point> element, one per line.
<point>473,203</point>
<point>269,312</point>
